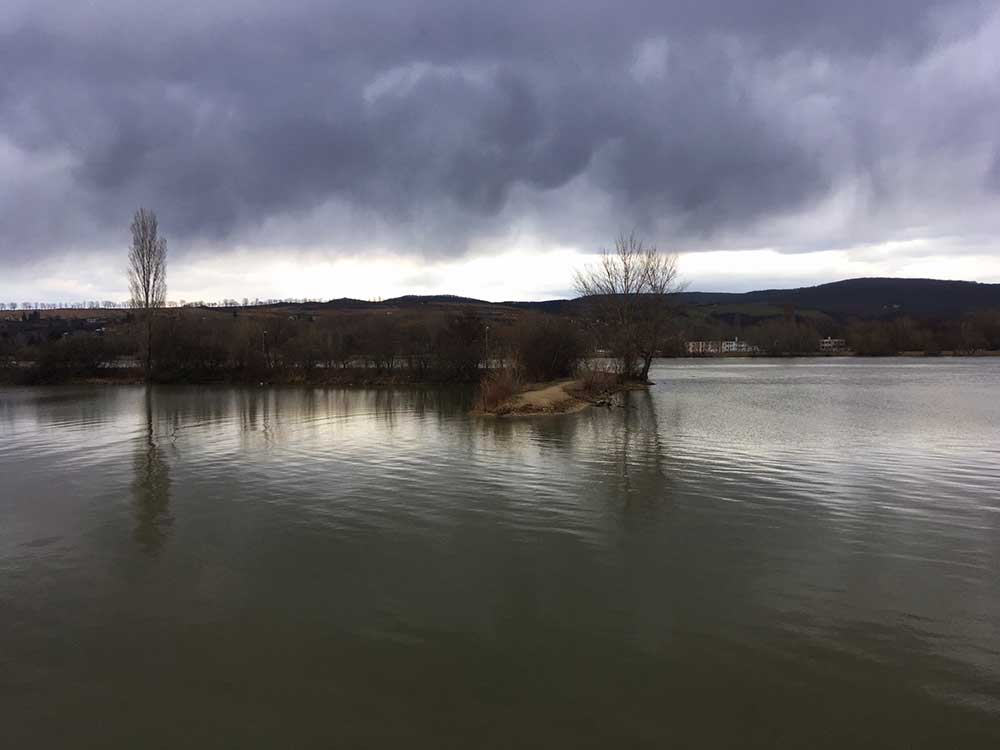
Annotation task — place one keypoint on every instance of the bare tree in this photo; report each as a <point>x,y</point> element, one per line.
<point>629,288</point>
<point>147,273</point>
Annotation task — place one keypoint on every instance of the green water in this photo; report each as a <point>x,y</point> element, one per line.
<point>752,554</point>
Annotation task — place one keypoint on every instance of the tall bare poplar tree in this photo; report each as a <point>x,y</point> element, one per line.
<point>629,289</point>
<point>147,274</point>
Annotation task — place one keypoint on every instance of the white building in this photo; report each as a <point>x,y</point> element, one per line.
<point>711,348</point>
<point>704,347</point>
<point>738,347</point>
<point>831,346</point>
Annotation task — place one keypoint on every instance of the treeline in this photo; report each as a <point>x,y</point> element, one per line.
<point>979,331</point>
<point>189,347</point>
<point>193,348</point>
<point>127,304</point>
<point>204,346</point>
<point>800,335</point>
<point>83,305</point>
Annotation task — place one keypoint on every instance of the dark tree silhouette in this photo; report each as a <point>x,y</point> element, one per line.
<point>147,274</point>
<point>629,288</point>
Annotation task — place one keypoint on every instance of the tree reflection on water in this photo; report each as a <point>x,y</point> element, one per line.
<point>151,487</point>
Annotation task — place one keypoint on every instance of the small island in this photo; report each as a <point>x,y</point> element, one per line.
<point>543,398</point>
<point>552,398</point>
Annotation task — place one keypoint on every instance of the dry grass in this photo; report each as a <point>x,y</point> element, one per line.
<point>594,380</point>
<point>497,387</point>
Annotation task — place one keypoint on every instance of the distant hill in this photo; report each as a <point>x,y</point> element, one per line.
<point>552,306</point>
<point>349,303</point>
<point>863,298</point>
<point>871,297</point>
<point>409,300</point>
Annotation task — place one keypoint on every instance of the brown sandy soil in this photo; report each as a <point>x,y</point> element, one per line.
<point>546,399</point>
<point>562,397</point>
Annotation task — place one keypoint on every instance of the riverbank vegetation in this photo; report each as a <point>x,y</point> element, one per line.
<point>419,341</point>
<point>630,309</point>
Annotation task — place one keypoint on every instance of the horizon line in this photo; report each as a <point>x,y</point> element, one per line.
<point>227,302</point>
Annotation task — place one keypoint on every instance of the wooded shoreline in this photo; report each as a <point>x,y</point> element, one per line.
<point>25,374</point>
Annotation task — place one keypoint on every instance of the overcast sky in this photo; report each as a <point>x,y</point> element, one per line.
<point>372,148</point>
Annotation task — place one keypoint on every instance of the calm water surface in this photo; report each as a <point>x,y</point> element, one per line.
<point>752,554</point>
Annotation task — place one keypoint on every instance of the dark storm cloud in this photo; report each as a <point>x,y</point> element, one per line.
<point>705,116</point>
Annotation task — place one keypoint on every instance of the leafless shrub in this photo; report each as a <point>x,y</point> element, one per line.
<point>594,379</point>
<point>547,348</point>
<point>497,387</point>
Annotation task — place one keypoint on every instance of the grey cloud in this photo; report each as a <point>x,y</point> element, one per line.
<point>436,119</point>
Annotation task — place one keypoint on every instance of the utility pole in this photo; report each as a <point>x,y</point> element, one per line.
<point>487,348</point>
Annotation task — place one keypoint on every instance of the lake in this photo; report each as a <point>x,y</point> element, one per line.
<point>753,553</point>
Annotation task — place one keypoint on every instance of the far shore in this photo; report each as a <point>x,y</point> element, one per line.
<point>546,398</point>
